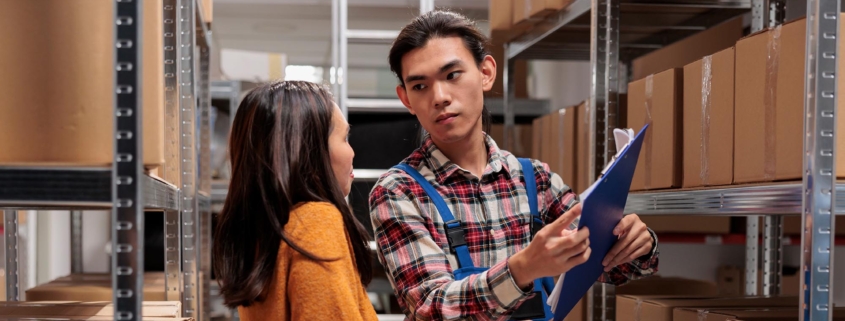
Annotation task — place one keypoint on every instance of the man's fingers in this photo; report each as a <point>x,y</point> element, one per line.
<point>638,247</point>
<point>625,224</point>
<point>617,248</point>
<point>560,245</point>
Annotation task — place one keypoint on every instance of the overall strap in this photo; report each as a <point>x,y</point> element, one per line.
<point>536,221</point>
<point>531,188</point>
<point>454,228</point>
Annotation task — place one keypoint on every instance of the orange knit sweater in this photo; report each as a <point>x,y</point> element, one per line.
<point>304,289</point>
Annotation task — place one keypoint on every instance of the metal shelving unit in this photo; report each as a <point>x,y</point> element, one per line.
<point>124,188</point>
<point>606,32</point>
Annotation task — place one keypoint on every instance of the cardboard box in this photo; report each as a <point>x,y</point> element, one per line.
<point>566,132</point>
<point>660,162</point>
<point>554,141</point>
<point>792,225</point>
<point>525,10</point>
<point>688,224</point>
<point>162,309</point>
<point>522,136</point>
<point>660,308</point>
<point>501,15</point>
<point>57,88</point>
<point>654,285</point>
<point>578,312</point>
<point>669,286</point>
<point>208,10</point>
<point>553,6</point>
<point>583,177</point>
<point>768,143</point>
<point>688,49</point>
<point>709,120</point>
<point>731,281</point>
<point>94,287</point>
<point>520,73</point>
<point>746,314</point>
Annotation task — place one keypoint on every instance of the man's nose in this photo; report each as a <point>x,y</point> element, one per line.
<point>442,97</point>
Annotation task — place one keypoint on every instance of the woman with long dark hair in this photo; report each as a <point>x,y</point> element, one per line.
<point>287,246</point>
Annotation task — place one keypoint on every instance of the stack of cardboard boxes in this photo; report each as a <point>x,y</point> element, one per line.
<point>699,136</point>
<point>512,18</point>
<point>57,88</point>
<point>92,311</point>
<point>92,287</point>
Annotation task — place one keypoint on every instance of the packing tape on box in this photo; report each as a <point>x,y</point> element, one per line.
<point>702,315</point>
<point>770,103</point>
<point>649,90</point>
<point>527,9</point>
<point>637,308</point>
<point>706,90</point>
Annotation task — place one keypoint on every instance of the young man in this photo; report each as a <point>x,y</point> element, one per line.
<point>444,69</point>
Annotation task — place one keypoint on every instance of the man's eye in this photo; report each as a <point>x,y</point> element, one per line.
<point>418,87</point>
<point>453,75</point>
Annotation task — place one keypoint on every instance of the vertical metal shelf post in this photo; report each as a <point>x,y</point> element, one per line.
<point>205,179</point>
<point>341,72</point>
<point>10,230</point>
<point>603,111</point>
<point>128,201</point>
<point>819,197</point>
<point>172,233</point>
<point>189,212</point>
<point>752,254</point>
<point>335,51</point>
<point>76,241</point>
<point>772,254</point>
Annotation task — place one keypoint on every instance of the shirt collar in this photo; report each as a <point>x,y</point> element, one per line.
<point>444,168</point>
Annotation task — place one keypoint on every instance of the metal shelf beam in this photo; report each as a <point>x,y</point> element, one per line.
<point>666,21</point>
<point>775,199</point>
<point>73,188</point>
<point>371,36</point>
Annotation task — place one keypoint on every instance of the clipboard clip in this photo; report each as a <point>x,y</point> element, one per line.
<point>623,138</point>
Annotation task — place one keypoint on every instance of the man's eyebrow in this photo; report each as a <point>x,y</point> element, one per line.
<point>450,65</point>
<point>446,67</point>
<point>414,78</point>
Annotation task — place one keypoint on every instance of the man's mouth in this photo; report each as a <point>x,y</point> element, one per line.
<point>445,117</point>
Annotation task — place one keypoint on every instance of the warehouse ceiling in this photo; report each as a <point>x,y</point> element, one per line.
<point>302,28</point>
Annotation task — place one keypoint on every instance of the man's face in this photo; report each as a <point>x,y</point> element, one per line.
<point>444,88</point>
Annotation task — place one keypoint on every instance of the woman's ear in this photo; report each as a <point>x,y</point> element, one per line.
<point>488,72</point>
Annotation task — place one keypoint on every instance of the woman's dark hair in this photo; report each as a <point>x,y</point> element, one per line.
<point>439,24</point>
<point>279,150</point>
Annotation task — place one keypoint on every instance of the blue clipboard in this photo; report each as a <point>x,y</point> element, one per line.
<point>601,211</point>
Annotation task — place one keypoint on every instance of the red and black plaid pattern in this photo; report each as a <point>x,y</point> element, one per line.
<point>494,210</point>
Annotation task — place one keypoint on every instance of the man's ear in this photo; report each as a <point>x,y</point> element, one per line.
<point>403,96</point>
<point>488,72</point>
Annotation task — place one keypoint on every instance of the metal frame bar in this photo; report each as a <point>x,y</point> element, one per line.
<point>128,211</point>
<point>343,57</point>
<point>775,199</point>
<point>204,178</point>
<point>188,153</point>
<point>10,230</point>
<point>819,183</point>
<point>772,255</point>
<point>76,242</point>
<point>752,254</point>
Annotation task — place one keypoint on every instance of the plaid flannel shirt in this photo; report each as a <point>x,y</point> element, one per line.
<point>494,210</point>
